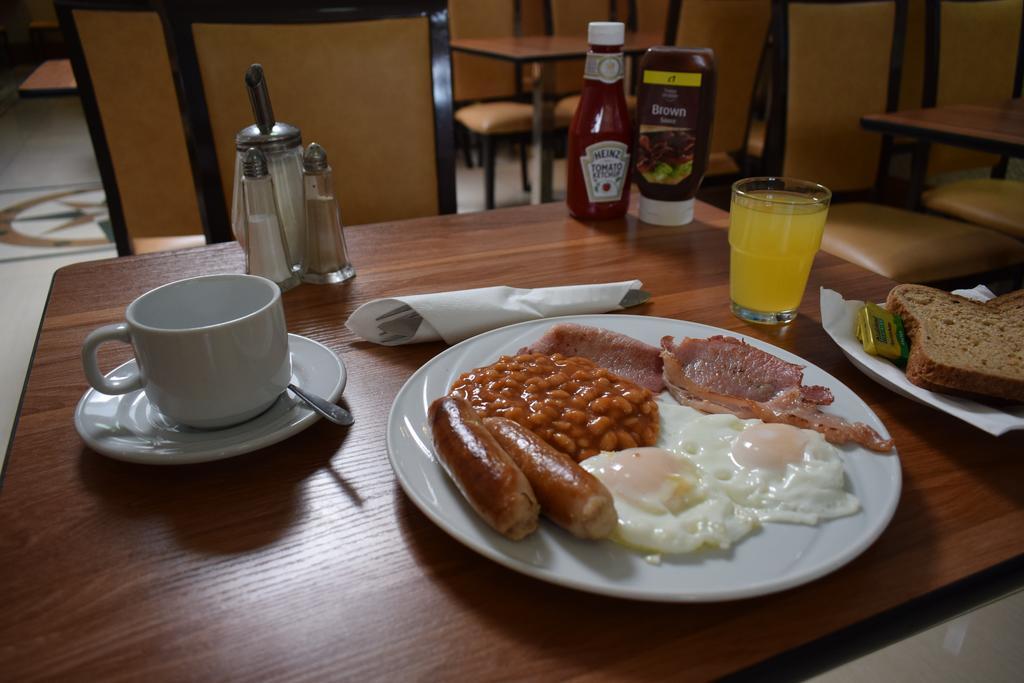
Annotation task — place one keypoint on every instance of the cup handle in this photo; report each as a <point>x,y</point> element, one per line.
<point>99,382</point>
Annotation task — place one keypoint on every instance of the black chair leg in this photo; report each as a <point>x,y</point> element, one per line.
<point>488,161</point>
<point>466,142</point>
<point>524,166</point>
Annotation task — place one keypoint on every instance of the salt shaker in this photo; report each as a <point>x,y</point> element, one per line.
<point>266,246</point>
<point>281,144</point>
<point>326,259</point>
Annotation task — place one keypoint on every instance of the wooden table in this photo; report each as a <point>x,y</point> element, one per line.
<point>306,561</point>
<point>997,128</point>
<point>52,77</point>
<point>544,51</point>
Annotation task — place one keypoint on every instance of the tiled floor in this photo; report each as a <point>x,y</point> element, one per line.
<point>44,143</point>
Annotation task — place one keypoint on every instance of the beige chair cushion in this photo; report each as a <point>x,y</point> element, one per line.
<point>914,247</point>
<point>566,107</point>
<point>990,202</point>
<point>496,118</point>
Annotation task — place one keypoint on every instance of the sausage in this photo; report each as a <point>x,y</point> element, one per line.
<point>569,496</point>
<point>484,473</point>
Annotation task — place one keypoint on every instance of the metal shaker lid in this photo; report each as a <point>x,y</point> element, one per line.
<point>315,159</point>
<point>254,164</point>
<point>267,134</point>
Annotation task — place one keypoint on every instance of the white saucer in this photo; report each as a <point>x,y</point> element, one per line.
<point>128,428</point>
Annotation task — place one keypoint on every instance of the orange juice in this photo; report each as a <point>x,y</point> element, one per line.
<point>773,236</point>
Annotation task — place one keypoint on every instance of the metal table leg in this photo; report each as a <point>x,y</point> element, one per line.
<point>543,120</point>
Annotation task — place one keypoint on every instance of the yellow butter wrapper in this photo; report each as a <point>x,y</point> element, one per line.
<point>882,334</point>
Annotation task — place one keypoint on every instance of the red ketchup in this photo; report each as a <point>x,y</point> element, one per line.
<point>600,134</point>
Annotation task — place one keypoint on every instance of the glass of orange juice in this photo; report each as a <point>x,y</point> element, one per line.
<point>775,228</point>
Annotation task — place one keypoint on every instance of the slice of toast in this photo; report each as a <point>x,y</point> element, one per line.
<point>960,346</point>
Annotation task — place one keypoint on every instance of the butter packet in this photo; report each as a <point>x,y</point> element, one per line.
<point>882,334</point>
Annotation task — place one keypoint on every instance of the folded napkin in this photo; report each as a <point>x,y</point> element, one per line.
<point>838,317</point>
<point>454,316</point>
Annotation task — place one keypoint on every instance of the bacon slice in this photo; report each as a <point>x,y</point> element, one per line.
<point>725,375</point>
<point>624,356</point>
<point>732,367</point>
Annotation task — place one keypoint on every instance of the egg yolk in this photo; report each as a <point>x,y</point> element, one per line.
<point>768,446</point>
<point>647,476</point>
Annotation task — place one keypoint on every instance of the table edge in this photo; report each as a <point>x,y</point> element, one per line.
<point>24,385</point>
<point>876,124</point>
<point>889,627</point>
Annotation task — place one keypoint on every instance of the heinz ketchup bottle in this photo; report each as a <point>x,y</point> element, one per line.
<point>598,160</point>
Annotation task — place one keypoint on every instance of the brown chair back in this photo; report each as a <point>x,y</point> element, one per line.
<point>648,16</point>
<point>124,79</point>
<point>570,18</point>
<point>477,78</point>
<point>973,50</point>
<point>835,64</point>
<point>372,84</point>
<point>736,30</point>
<point>912,72</point>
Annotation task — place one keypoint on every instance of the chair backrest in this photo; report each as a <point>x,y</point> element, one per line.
<point>736,30</point>
<point>571,18</point>
<point>973,53</point>
<point>912,72</point>
<point>124,79</point>
<point>649,16</point>
<point>836,61</point>
<point>370,80</point>
<point>481,78</point>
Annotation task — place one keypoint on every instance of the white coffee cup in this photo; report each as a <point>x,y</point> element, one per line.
<point>211,351</point>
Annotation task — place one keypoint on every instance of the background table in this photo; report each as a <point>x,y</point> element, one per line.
<point>544,50</point>
<point>997,128</point>
<point>306,561</point>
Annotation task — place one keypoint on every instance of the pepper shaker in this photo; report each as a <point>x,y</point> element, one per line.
<point>266,245</point>
<point>326,258</point>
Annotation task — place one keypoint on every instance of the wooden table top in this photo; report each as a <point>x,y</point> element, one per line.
<point>545,48</point>
<point>996,127</point>
<point>52,77</point>
<point>306,561</point>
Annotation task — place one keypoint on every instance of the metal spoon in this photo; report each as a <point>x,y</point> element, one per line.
<point>332,412</point>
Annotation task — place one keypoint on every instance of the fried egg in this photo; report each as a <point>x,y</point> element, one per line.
<point>664,502</point>
<point>712,479</point>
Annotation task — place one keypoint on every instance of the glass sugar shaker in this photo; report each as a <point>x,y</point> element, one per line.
<point>266,244</point>
<point>326,259</point>
<point>281,144</point>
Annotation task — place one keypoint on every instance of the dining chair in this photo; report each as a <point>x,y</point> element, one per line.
<point>123,72</point>
<point>975,55</point>
<point>485,88</point>
<point>836,61</point>
<point>571,18</point>
<point>737,31</point>
<point>370,80</point>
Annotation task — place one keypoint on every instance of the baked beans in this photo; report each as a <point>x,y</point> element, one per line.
<point>573,404</point>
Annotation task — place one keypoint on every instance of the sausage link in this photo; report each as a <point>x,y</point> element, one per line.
<point>569,495</point>
<point>485,474</point>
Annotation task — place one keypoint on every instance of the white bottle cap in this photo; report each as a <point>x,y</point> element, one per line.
<point>606,33</point>
<point>658,212</point>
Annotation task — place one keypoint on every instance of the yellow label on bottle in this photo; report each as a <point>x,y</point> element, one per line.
<point>677,78</point>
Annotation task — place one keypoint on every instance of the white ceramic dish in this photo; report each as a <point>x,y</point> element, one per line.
<point>777,557</point>
<point>126,427</point>
<point>838,317</point>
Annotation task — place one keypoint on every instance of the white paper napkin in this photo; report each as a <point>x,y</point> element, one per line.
<point>454,316</point>
<point>838,317</point>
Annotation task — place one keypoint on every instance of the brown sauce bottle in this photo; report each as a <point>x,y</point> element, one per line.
<point>674,110</point>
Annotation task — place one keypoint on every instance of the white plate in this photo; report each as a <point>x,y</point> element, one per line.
<point>128,428</point>
<point>838,318</point>
<point>777,557</point>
